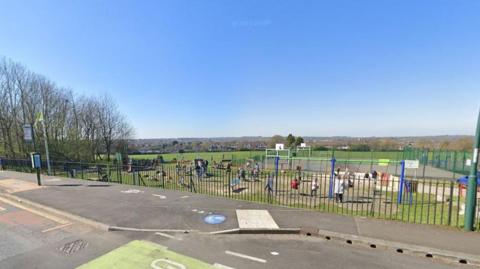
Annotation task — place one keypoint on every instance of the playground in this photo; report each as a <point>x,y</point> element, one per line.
<point>411,190</point>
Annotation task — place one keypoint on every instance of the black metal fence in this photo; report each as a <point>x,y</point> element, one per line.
<point>345,187</point>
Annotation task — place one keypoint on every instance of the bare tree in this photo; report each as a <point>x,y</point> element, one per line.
<point>76,127</point>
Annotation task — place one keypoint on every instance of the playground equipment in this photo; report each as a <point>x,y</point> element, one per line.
<point>303,151</point>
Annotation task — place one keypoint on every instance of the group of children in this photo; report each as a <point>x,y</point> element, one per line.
<point>341,183</point>
<point>254,172</point>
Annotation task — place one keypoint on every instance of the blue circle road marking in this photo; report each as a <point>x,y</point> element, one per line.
<point>214,219</point>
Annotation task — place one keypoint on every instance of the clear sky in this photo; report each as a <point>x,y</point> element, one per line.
<point>203,68</point>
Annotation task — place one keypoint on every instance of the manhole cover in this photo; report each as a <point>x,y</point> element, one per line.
<point>72,247</point>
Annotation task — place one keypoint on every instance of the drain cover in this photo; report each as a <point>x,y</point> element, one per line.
<point>72,247</point>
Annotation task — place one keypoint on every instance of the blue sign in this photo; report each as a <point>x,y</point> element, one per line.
<point>36,160</point>
<point>214,219</point>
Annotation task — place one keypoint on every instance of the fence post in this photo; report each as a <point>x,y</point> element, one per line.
<point>450,204</point>
<point>471,202</point>
<point>229,179</point>
<point>163,177</point>
<point>400,184</point>
<point>277,159</point>
<point>332,175</point>
<point>81,168</point>
<point>108,172</point>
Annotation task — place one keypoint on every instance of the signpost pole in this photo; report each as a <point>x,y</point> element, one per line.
<point>471,202</point>
<point>39,182</point>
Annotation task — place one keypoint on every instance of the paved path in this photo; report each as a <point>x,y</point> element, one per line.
<point>149,208</point>
<point>34,239</point>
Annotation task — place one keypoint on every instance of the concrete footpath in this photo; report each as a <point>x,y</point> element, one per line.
<point>135,207</point>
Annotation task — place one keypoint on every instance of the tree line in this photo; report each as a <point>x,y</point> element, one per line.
<point>77,127</point>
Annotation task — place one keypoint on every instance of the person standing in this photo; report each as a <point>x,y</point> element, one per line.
<point>339,188</point>
<point>314,187</point>
<point>269,186</point>
<point>229,168</point>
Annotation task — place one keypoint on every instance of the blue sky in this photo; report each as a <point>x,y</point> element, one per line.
<point>234,68</point>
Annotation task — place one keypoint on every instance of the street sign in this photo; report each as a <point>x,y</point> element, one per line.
<point>37,165</point>
<point>411,164</point>
<point>27,132</point>
<point>36,161</point>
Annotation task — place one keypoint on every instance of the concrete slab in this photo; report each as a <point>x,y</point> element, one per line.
<point>255,219</point>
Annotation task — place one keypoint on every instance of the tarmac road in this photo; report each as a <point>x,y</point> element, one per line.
<point>33,240</point>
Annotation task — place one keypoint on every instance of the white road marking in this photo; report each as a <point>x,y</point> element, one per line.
<point>186,196</point>
<point>201,212</point>
<point>221,266</point>
<point>274,253</point>
<point>169,264</point>
<point>259,219</point>
<point>240,255</point>
<point>168,236</point>
<point>132,191</point>
<point>160,196</point>
<point>57,227</point>
<point>194,210</point>
<point>2,209</point>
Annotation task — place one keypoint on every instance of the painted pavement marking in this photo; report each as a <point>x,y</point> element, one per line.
<point>257,219</point>
<point>132,191</point>
<point>57,227</point>
<point>2,209</point>
<point>240,255</point>
<point>168,236</point>
<point>36,212</point>
<point>15,185</point>
<point>145,254</point>
<point>160,196</point>
<point>221,266</point>
<point>167,264</point>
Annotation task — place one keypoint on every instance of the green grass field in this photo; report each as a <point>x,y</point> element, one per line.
<point>216,156</point>
<point>238,155</point>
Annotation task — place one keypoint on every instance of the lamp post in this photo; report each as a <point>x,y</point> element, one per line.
<point>47,153</point>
